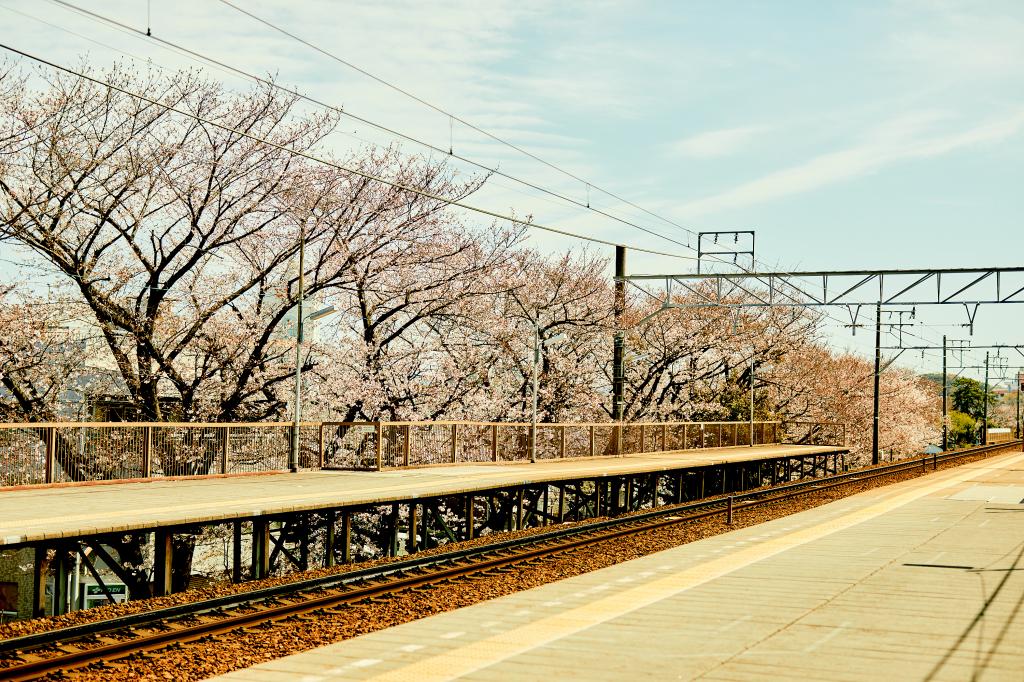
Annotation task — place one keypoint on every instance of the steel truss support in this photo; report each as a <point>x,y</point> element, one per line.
<point>951,286</point>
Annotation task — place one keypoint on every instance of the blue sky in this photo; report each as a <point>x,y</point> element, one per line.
<point>848,134</point>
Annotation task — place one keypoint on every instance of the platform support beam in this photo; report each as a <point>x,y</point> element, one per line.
<point>346,537</point>
<point>61,576</point>
<point>414,529</point>
<point>519,508</point>
<point>163,554</point>
<point>392,549</point>
<point>470,520</point>
<point>330,536</point>
<point>236,552</point>
<point>260,548</point>
<point>305,528</point>
<point>40,567</point>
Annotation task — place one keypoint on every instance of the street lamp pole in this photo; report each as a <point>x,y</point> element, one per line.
<point>293,455</point>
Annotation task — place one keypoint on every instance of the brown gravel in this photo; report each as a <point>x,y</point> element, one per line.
<point>200,660</point>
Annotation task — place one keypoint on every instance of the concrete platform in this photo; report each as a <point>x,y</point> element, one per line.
<point>38,514</point>
<point>922,580</point>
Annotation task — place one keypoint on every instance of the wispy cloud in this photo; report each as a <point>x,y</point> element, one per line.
<point>902,139</point>
<point>716,143</point>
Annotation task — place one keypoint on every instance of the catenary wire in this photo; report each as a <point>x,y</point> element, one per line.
<point>311,157</point>
<point>451,116</point>
<point>340,110</point>
<point>462,121</point>
<point>560,196</point>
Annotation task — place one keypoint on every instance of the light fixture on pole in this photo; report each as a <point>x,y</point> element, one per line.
<point>537,345</point>
<point>293,455</point>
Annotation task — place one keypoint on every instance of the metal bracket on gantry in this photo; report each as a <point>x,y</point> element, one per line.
<point>742,245</point>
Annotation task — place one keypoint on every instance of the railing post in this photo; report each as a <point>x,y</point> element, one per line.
<point>494,442</point>
<point>225,449</point>
<point>702,434</point>
<point>51,454</point>
<point>685,442</point>
<point>455,443</point>
<point>561,441</point>
<point>379,431</point>
<point>406,443</point>
<point>592,443</point>
<point>643,438</point>
<point>147,451</point>
<point>320,457</point>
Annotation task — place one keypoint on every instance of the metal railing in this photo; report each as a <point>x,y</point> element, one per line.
<point>55,452</point>
<point>59,452</point>
<point>388,445</point>
<point>814,433</point>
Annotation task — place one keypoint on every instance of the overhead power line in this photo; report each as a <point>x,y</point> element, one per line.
<point>453,117</point>
<point>340,110</point>
<point>326,162</point>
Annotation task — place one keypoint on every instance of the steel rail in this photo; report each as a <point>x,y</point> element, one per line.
<point>356,586</point>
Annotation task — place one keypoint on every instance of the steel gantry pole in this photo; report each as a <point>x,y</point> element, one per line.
<point>536,364</point>
<point>984,404</point>
<point>752,401</point>
<point>945,391</point>
<point>878,372</point>
<point>1018,407</point>
<point>293,455</point>
<point>619,349</point>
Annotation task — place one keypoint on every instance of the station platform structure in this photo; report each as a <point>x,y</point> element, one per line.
<point>39,514</point>
<point>279,516</point>
<point>920,580</point>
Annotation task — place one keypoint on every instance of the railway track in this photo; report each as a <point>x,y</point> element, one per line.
<point>37,655</point>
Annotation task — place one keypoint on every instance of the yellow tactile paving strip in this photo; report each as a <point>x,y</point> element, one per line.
<point>857,590</point>
<point>49,513</point>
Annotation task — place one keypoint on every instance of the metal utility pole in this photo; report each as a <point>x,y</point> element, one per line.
<point>536,364</point>
<point>1018,408</point>
<point>984,403</point>
<point>619,350</point>
<point>751,401</point>
<point>945,414</point>
<point>293,455</point>
<point>538,345</point>
<point>878,372</point>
